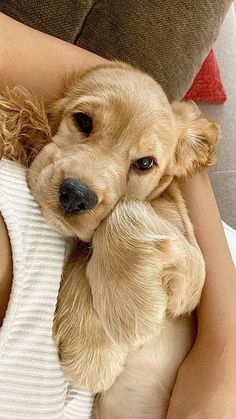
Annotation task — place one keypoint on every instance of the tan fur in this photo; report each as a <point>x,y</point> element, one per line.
<point>122,320</point>
<point>24,128</point>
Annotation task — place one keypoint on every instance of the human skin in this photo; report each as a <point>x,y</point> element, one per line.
<point>206,383</point>
<point>5,268</point>
<point>37,61</point>
<point>40,63</point>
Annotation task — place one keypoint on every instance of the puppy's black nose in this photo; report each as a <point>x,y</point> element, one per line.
<point>75,197</point>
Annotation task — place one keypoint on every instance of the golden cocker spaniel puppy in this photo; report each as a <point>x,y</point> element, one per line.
<point>109,175</point>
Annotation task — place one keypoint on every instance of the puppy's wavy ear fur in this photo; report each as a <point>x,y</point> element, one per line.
<point>56,108</point>
<point>197,139</point>
<point>24,128</point>
<point>55,112</point>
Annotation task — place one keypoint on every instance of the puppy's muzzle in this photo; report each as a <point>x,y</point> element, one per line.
<point>75,197</point>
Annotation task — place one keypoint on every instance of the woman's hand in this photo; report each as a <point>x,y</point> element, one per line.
<point>206,383</point>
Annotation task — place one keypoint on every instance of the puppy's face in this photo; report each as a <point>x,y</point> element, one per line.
<point>116,137</point>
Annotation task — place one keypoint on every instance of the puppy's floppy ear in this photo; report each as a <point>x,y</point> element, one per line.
<point>24,128</point>
<point>55,112</point>
<point>197,139</point>
<point>56,108</point>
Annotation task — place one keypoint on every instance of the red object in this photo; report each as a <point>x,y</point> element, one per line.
<point>207,85</point>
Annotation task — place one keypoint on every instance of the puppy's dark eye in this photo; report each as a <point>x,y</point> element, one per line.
<point>84,122</point>
<point>145,163</point>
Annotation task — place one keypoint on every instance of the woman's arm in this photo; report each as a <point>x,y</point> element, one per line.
<point>206,384</point>
<point>217,311</point>
<point>38,61</point>
<point>5,269</point>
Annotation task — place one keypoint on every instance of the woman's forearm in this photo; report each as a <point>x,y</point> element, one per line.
<point>217,311</point>
<point>5,269</point>
<point>38,61</point>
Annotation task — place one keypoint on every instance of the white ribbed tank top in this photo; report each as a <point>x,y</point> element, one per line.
<point>31,381</point>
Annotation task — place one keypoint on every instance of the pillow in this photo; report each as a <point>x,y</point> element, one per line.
<point>167,39</point>
<point>60,18</point>
<point>207,85</point>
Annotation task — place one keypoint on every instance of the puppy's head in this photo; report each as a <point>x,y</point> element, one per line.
<point>116,136</point>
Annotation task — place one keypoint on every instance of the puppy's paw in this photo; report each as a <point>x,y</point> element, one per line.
<point>88,356</point>
<point>141,268</point>
<point>183,277</point>
<point>125,273</point>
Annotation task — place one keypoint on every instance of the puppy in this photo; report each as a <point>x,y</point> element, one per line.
<point>110,177</point>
